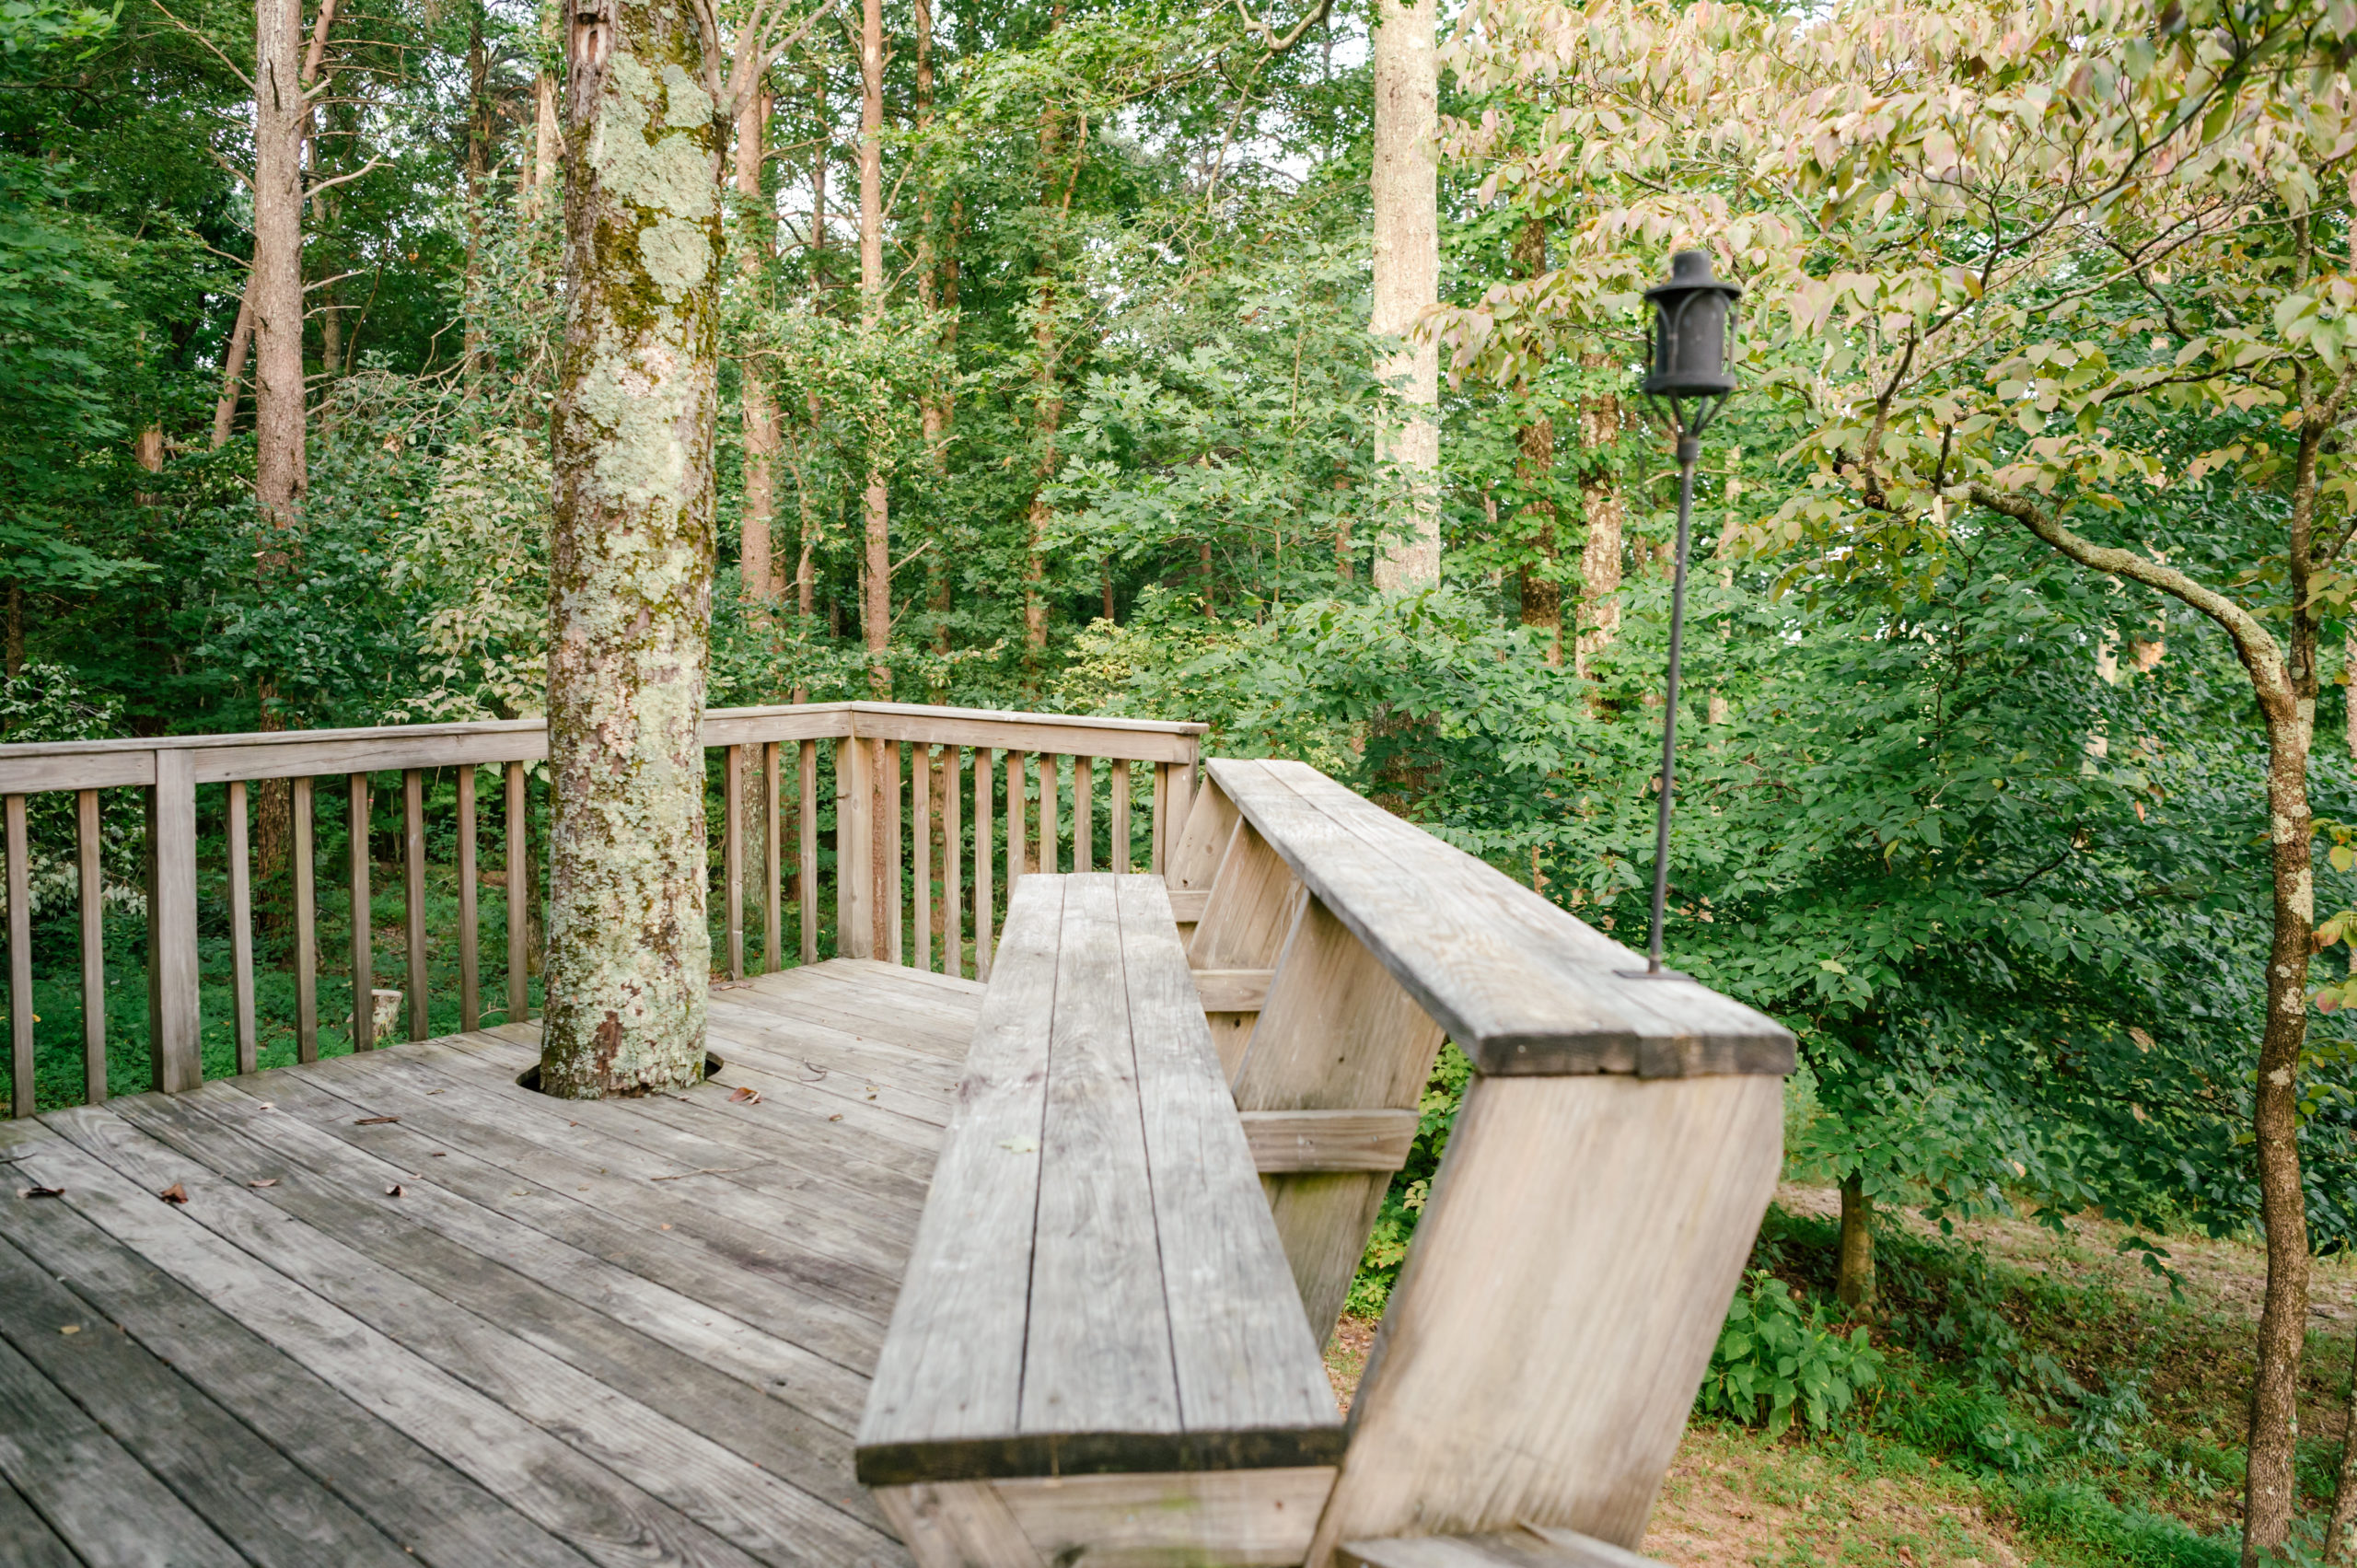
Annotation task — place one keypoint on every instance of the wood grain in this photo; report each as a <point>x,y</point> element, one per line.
<point>1530,1547</point>
<point>1558,1306</point>
<point>1329,1139</point>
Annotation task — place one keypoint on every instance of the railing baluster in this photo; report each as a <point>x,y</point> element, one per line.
<point>1083,805</point>
<point>805,889</point>
<point>1014,803</point>
<point>1119,791</point>
<point>982,899</point>
<point>241,930</point>
<point>854,863</point>
<point>732,852</point>
<point>23,1100</point>
<point>88,843</point>
<point>773,863</point>
<point>519,918</point>
<point>889,841</point>
<point>1183,780</point>
<point>953,946</point>
<point>1047,813</point>
<point>307,928</point>
<point>921,844</point>
<point>1161,815</point>
<point>175,1016</point>
<point>470,928</point>
<point>413,898</point>
<point>364,959</point>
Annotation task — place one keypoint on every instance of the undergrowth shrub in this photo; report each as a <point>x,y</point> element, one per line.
<point>2078,1515</point>
<point>1775,1361</point>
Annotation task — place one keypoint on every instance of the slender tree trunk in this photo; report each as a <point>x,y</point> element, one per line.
<point>1854,1285</point>
<point>821,147</point>
<point>275,289</point>
<point>547,142</point>
<point>630,954</point>
<point>2271,1495</point>
<point>479,130</point>
<point>757,408</point>
<point>233,368</point>
<point>1407,274</point>
<point>1541,593</point>
<point>875,507</point>
<point>1600,553</point>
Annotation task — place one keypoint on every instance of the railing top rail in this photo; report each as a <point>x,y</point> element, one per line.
<point>1522,986</point>
<point>34,766</point>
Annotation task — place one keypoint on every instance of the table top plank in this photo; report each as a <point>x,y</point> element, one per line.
<point>1245,1358</point>
<point>1097,1356</point>
<point>1522,986</point>
<point>952,1365</point>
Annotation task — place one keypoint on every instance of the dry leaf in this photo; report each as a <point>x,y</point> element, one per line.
<point>41,1191</point>
<point>265,1181</point>
<point>746,1095</point>
<point>836,1117</point>
<point>375,1120</point>
<point>69,1327</point>
<point>394,1191</point>
<point>175,1194</point>
<point>433,1154</point>
<point>1020,1145</point>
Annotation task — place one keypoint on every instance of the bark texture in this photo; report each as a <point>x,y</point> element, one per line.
<point>630,954</point>
<point>1854,1285</point>
<point>1600,553</point>
<point>275,290</point>
<point>757,408</point>
<point>1406,185</point>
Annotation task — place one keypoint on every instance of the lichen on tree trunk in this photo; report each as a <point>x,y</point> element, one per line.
<point>631,571</point>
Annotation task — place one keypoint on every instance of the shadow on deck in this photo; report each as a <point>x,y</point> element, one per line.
<point>409,1311</point>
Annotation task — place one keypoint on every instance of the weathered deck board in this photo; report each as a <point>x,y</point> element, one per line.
<point>635,1333</point>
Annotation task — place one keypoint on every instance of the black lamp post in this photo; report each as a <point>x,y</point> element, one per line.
<point>1688,377</point>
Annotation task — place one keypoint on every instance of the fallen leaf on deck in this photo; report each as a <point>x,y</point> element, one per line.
<point>836,1117</point>
<point>732,985</point>
<point>41,1191</point>
<point>746,1095</point>
<point>175,1194</point>
<point>1020,1145</point>
<point>394,1191</point>
<point>375,1120</point>
<point>69,1327</point>
<point>265,1181</point>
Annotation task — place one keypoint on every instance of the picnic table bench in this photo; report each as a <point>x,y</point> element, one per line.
<point>1182,1112</point>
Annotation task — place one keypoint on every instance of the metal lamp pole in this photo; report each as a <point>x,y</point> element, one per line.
<point>1688,378</point>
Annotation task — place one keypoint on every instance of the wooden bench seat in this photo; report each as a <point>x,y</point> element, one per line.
<point>1097,1334</point>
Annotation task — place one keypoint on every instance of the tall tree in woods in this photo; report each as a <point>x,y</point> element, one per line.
<point>630,565</point>
<point>756,248</point>
<point>875,500</point>
<point>274,293</point>
<point>1541,590</point>
<point>2022,263</point>
<point>1406,183</point>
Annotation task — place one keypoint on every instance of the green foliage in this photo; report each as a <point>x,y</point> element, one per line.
<point>1776,1361</point>
<point>2076,1515</point>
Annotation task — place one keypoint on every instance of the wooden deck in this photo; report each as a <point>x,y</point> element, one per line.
<point>411,1312</point>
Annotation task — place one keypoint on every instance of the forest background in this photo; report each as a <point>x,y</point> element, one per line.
<point>1990,834</point>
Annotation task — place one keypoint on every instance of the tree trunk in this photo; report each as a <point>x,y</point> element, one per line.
<point>233,368</point>
<point>1541,593</point>
<point>2270,1493</point>
<point>1407,274</point>
<point>757,408</point>
<point>275,289</point>
<point>1854,1285</point>
<point>546,141</point>
<point>875,507</point>
<point>630,954</point>
<point>477,165</point>
<point>1600,553</point>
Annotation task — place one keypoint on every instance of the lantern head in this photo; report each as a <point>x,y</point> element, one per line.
<point>1689,330</point>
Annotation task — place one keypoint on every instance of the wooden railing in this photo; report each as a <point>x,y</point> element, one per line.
<point>913,886</point>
